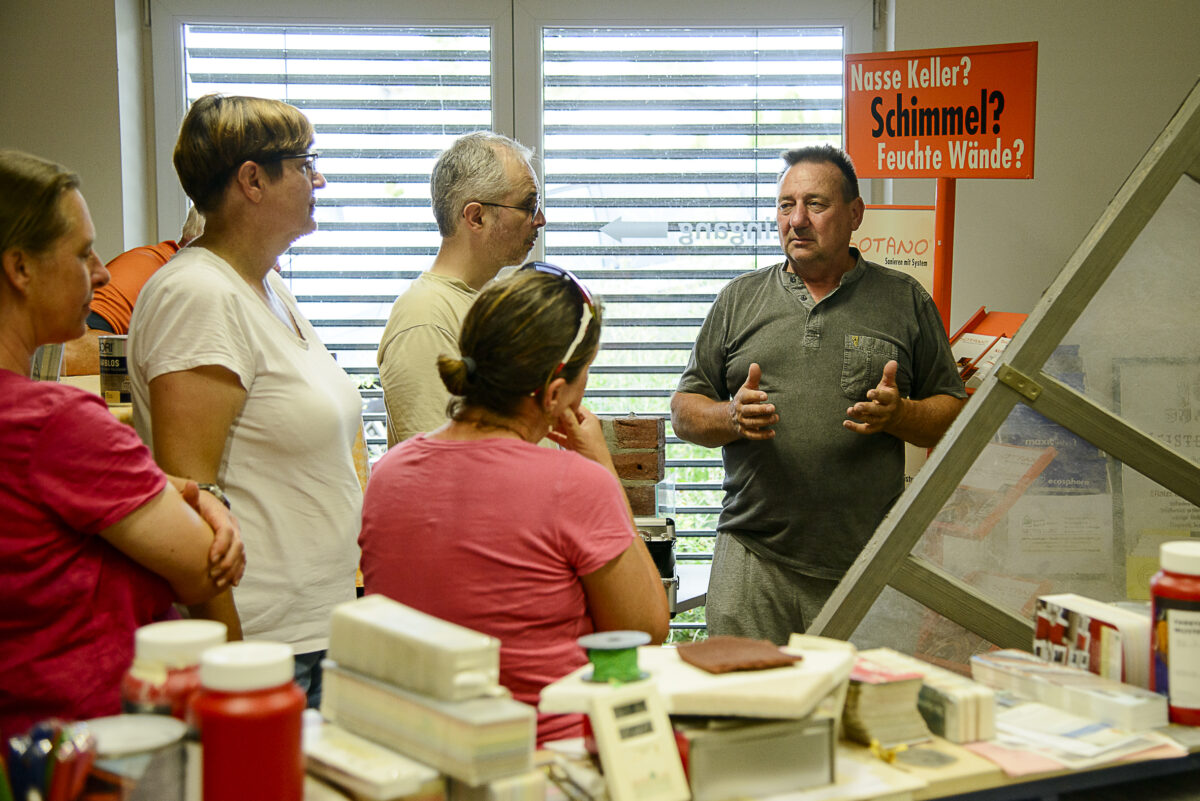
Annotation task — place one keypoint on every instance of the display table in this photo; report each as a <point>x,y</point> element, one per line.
<point>950,771</point>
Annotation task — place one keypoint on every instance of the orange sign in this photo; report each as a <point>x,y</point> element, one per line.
<point>963,112</point>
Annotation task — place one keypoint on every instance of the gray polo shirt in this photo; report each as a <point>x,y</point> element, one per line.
<point>811,497</point>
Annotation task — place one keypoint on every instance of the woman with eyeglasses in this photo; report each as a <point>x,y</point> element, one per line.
<point>477,524</point>
<point>95,541</point>
<point>232,387</point>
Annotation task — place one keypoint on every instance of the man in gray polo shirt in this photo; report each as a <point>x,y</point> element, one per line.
<point>811,375</point>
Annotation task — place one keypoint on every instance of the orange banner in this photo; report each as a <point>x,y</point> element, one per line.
<point>960,112</point>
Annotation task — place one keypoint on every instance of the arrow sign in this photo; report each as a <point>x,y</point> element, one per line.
<point>621,230</point>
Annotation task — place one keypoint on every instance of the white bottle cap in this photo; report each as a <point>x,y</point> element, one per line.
<point>1181,556</point>
<point>177,643</point>
<point>244,666</point>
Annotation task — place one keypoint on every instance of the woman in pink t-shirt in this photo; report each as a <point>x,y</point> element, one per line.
<point>477,524</point>
<point>96,540</point>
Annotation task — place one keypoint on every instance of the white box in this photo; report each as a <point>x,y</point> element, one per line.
<point>386,640</point>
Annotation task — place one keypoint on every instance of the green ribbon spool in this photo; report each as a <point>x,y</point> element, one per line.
<point>613,655</point>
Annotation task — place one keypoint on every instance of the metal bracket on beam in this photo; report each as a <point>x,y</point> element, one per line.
<point>1014,379</point>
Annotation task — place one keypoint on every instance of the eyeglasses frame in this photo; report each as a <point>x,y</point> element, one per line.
<point>532,212</point>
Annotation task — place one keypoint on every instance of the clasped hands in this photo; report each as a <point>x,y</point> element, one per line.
<point>226,555</point>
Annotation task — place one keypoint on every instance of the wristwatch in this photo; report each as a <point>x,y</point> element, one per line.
<point>216,491</point>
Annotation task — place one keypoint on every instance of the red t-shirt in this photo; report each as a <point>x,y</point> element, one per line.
<point>69,601</point>
<point>494,535</point>
<point>130,271</point>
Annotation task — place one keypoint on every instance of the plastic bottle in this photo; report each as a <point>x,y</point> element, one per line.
<point>1175,630</point>
<point>248,712</point>
<point>166,665</point>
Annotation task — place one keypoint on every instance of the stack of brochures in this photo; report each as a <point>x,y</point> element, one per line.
<point>383,684</point>
<point>954,706</point>
<point>365,769</point>
<point>881,705</point>
<point>1122,706</point>
<point>1106,639</point>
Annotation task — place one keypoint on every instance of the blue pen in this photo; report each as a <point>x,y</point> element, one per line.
<point>38,757</point>
<point>18,767</point>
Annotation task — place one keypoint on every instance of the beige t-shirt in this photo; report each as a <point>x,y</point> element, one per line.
<point>424,324</point>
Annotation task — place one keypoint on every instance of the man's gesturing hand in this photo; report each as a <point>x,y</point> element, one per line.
<point>749,413</point>
<point>882,408</point>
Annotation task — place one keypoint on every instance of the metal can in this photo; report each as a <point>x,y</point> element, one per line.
<point>114,370</point>
<point>139,758</point>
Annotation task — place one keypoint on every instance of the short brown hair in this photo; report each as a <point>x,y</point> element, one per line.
<point>515,334</point>
<point>825,154</point>
<point>30,188</point>
<point>219,134</point>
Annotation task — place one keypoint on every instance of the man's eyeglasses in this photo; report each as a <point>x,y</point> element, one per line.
<point>532,211</point>
<point>310,161</point>
<point>586,314</point>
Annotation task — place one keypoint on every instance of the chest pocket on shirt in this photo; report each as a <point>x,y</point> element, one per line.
<point>862,364</point>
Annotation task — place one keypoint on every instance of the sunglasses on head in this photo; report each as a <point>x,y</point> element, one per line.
<point>587,312</point>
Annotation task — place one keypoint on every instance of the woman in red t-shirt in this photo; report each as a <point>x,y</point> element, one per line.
<point>477,524</point>
<point>96,540</point>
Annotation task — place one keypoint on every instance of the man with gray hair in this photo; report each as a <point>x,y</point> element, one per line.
<point>488,210</point>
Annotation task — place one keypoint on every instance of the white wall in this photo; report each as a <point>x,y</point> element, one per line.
<point>65,98</point>
<point>1110,75</point>
<point>59,98</point>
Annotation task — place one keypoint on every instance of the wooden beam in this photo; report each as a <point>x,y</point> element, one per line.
<point>958,601</point>
<point>1118,437</point>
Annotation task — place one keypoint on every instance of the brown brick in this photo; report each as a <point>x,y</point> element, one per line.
<point>642,499</point>
<point>610,434</point>
<point>640,432</point>
<point>640,465</point>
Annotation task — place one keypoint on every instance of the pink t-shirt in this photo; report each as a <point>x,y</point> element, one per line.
<point>494,535</point>
<point>69,601</point>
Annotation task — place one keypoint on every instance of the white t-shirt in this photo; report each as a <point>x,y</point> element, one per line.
<point>287,466</point>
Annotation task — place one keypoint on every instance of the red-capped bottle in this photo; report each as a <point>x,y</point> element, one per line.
<point>166,665</point>
<point>248,715</point>
<point>1175,630</point>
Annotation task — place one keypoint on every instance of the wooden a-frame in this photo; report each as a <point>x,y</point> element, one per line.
<point>1018,377</point>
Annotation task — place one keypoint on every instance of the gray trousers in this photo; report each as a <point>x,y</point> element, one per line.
<point>749,596</point>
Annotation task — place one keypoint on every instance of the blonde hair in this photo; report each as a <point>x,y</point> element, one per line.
<point>219,134</point>
<point>513,338</point>
<point>30,188</point>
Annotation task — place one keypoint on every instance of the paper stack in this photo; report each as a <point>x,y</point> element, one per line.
<point>1119,705</point>
<point>954,706</point>
<point>474,732</point>
<point>881,705</point>
<point>367,770</point>
<point>1099,637</point>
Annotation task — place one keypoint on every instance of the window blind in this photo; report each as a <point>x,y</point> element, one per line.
<point>660,150</point>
